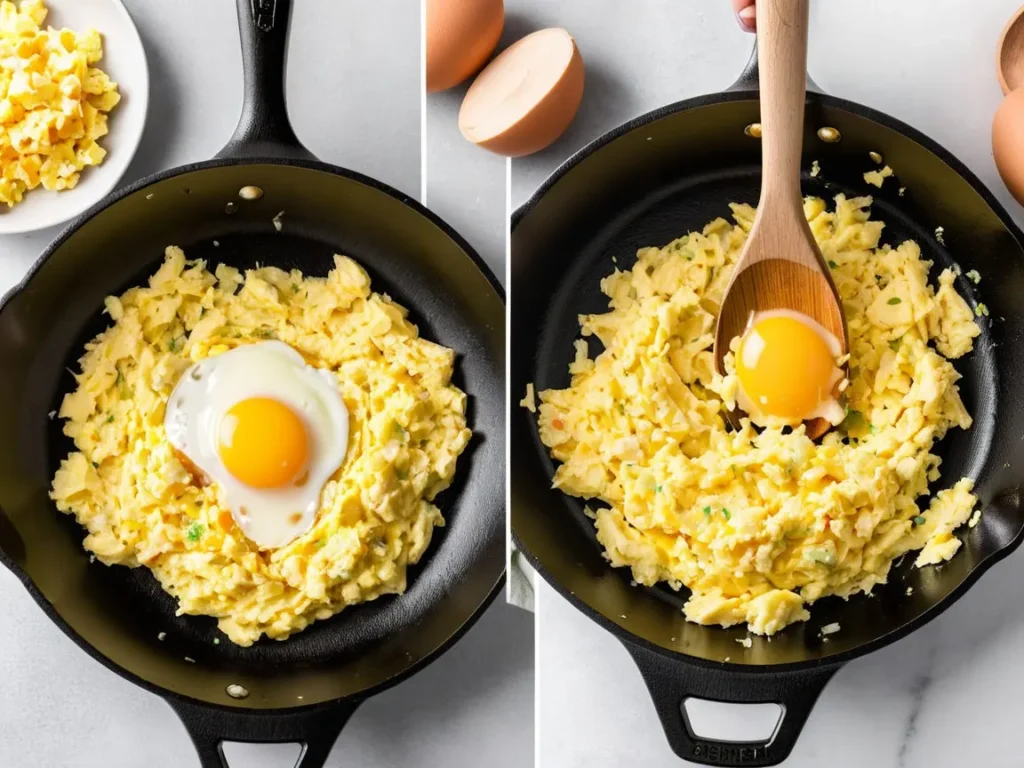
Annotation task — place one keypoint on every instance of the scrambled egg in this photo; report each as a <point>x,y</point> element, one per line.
<point>878,177</point>
<point>758,525</point>
<point>53,103</point>
<point>141,505</point>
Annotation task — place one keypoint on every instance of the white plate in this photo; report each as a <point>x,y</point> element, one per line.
<point>124,59</point>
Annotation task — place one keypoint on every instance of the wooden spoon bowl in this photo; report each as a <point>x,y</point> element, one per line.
<point>780,266</point>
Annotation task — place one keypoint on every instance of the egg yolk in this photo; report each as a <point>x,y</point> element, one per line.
<point>785,368</point>
<point>263,442</point>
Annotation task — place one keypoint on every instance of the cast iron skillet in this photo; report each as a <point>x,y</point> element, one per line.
<point>646,183</point>
<point>304,689</point>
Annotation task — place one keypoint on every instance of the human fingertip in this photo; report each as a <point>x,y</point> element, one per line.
<point>748,18</point>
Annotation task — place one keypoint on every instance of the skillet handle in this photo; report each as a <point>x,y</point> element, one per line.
<point>314,730</point>
<point>750,78</point>
<point>263,129</point>
<point>671,683</point>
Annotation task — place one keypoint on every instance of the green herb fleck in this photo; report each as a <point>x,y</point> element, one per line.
<point>975,276</point>
<point>321,543</point>
<point>195,532</point>
<point>894,301</point>
<point>872,428</point>
<point>657,489</point>
<point>110,419</point>
<point>172,345</point>
<point>980,310</point>
<point>265,333</point>
<point>854,420</point>
<point>95,465</point>
<point>295,288</point>
<point>727,513</point>
<point>621,407</point>
<point>707,511</point>
<point>918,519</point>
<point>832,264</point>
<point>822,556</point>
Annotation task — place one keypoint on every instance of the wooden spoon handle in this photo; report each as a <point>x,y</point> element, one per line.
<point>782,63</point>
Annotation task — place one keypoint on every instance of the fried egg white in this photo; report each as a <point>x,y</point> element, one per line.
<point>266,427</point>
<point>787,369</point>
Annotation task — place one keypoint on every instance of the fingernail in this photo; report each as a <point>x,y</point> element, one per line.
<point>747,18</point>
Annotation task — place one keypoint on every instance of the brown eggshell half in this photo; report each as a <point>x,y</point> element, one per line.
<point>1008,143</point>
<point>460,34</point>
<point>527,96</point>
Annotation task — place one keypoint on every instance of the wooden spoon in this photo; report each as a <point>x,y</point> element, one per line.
<point>780,266</point>
<point>1010,54</point>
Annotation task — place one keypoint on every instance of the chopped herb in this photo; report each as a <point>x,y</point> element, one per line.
<point>918,519</point>
<point>295,288</point>
<point>854,420</point>
<point>195,532</point>
<point>707,511</point>
<point>96,465</point>
<point>110,419</point>
<point>832,264</point>
<point>872,429</point>
<point>172,345</point>
<point>981,309</point>
<point>975,276</point>
<point>657,489</point>
<point>621,407</point>
<point>822,556</point>
<point>265,333</point>
<point>894,301</point>
<point>727,513</point>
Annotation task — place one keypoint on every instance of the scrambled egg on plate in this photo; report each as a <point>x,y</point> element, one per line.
<point>53,102</point>
<point>758,525</point>
<point>141,505</point>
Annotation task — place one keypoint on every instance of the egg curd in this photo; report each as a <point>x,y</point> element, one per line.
<point>760,524</point>
<point>142,506</point>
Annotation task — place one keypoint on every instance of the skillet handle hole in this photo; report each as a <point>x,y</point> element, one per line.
<point>738,723</point>
<point>239,754</point>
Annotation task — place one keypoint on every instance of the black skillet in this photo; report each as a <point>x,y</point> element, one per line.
<point>650,181</point>
<point>304,689</point>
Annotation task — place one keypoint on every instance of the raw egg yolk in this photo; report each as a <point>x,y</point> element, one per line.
<point>785,368</point>
<point>263,442</point>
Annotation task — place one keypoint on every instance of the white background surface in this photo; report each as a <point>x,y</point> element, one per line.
<point>354,100</point>
<point>949,695</point>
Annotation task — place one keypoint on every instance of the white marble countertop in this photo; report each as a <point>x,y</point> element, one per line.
<point>947,695</point>
<point>354,99</point>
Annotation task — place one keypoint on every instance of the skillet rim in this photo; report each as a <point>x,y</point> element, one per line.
<point>752,94</point>
<point>315,165</point>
